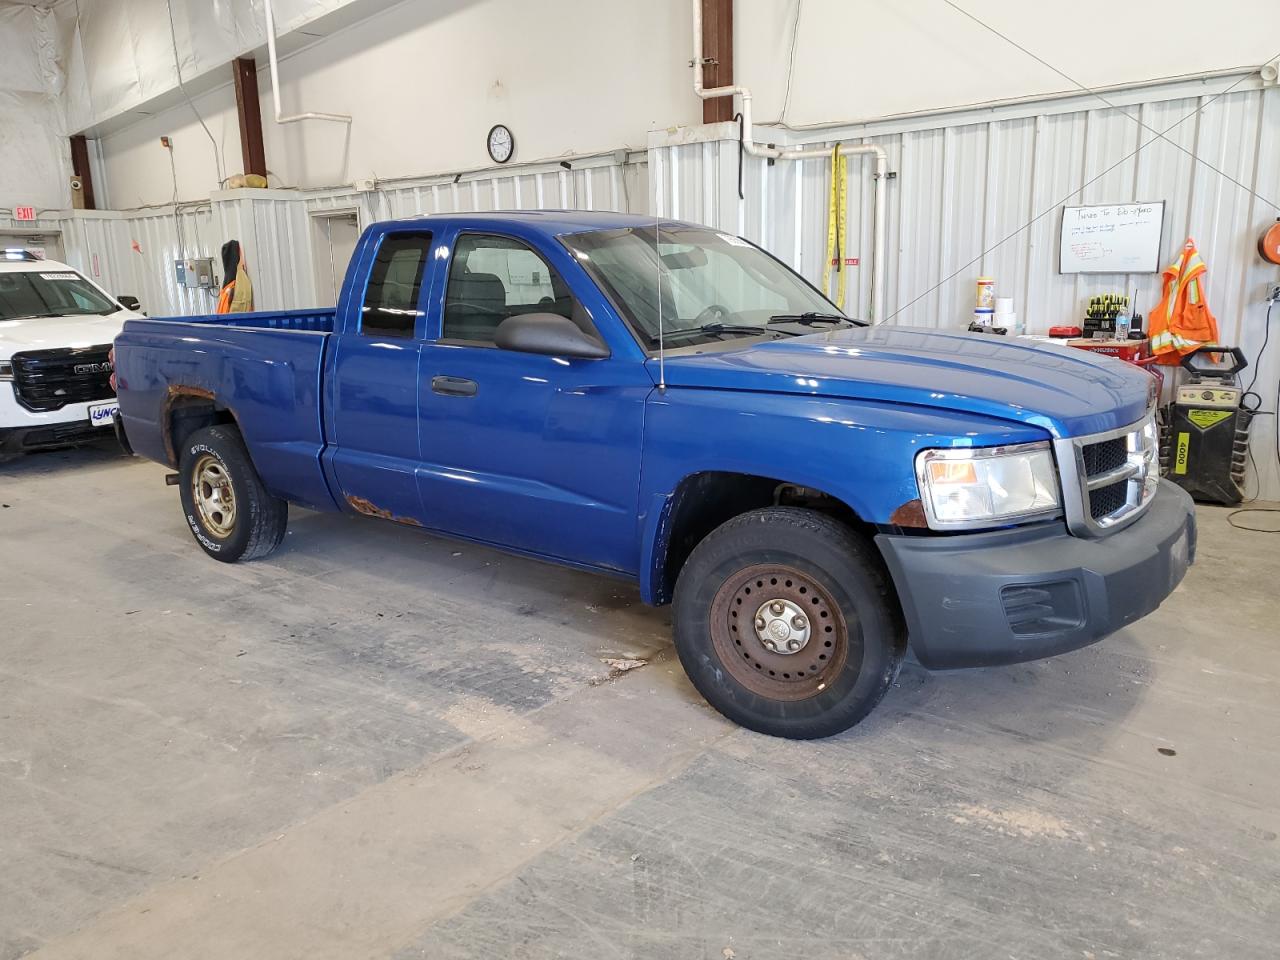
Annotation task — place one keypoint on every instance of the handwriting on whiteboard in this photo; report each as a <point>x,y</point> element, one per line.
<point>1112,238</point>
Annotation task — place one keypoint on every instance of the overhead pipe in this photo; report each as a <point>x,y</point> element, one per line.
<point>275,78</point>
<point>878,228</point>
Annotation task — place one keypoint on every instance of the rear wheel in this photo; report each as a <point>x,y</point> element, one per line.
<point>229,511</point>
<point>785,622</point>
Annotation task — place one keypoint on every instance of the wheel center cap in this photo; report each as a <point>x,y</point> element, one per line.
<point>782,626</point>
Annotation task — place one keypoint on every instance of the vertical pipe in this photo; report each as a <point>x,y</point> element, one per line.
<point>879,230</point>
<point>275,77</point>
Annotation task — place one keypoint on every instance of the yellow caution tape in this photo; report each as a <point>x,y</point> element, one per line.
<point>837,218</point>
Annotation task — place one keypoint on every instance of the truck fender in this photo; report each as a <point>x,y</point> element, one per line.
<point>176,395</point>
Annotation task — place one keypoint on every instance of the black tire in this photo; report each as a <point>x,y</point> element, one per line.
<point>255,522</point>
<point>797,562</point>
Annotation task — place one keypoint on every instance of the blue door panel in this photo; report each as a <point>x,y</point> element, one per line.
<point>375,415</point>
<point>372,411</point>
<point>545,457</point>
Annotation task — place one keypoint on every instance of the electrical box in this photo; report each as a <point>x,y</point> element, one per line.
<point>195,274</point>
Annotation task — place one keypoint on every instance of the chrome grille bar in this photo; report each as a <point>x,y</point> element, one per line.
<point>1139,473</point>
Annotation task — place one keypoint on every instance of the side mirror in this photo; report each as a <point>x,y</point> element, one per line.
<point>549,334</point>
<point>128,302</point>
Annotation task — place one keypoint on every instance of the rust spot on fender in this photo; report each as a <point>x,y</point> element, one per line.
<point>910,514</point>
<point>175,392</point>
<point>178,390</point>
<point>370,509</point>
<point>367,507</point>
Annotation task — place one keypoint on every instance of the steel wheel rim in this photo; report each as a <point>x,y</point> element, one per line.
<point>214,496</point>
<point>797,674</point>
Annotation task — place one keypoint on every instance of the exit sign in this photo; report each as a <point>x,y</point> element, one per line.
<point>24,213</point>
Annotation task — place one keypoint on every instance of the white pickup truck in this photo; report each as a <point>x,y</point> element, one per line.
<point>56,330</point>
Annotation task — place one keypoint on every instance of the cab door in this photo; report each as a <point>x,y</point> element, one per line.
<point>373,395</point>
<point>536,453</point>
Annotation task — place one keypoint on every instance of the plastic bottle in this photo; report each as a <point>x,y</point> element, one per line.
<point>1122,325</point>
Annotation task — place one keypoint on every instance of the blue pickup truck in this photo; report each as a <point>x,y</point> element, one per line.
<point>667,403</point>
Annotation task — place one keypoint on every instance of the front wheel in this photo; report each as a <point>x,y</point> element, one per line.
<point>229,511</point>
<point>786,624</point>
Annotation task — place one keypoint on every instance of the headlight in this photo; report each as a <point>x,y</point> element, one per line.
<point>6,370</point>
<point>968,487</point>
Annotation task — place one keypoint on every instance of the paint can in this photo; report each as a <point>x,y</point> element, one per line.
<point>986,299</point>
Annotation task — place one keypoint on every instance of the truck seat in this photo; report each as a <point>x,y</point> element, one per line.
<point>476,304</point>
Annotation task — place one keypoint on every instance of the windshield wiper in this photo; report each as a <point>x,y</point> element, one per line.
<point>810,318</point>
<point>33,316</point>
<point>717,329</point>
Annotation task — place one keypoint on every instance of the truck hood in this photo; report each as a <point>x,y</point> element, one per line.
<point>1065,391</point>
<point>49,333</point>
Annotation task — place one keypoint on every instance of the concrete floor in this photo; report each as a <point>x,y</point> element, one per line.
<point>380,744</point>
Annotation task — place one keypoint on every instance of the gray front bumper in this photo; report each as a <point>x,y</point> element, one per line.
<point>1006,596</point>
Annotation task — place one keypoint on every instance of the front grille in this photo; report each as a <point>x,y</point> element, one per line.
<point>1104,456</point>
<point>45,380</point>
<point>1104,501</point>
<point>1108,479</point>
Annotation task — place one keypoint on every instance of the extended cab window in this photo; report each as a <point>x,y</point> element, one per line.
<point>391,299</point>
<point>492,278</point>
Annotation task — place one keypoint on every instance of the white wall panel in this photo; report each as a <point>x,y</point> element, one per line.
<point>34,155</point>
<point>275,230</point>
<point>982,192</point>
<point>864,59</point>
<point>135,254</point>
<point>420,99</point>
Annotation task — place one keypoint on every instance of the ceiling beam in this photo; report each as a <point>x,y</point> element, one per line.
<point>717,52</point>
<point>250,114</point>
<point>80,167</point>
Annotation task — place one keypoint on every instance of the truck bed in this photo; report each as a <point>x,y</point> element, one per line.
<point>265,369</point>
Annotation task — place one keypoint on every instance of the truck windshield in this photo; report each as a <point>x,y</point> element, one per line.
<point>26,294</point>
<point>713,285</point>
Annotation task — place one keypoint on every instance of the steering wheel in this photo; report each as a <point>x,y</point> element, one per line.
<point>716,312</point>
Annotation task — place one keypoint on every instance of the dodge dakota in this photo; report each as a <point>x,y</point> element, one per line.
<point>671,404</point>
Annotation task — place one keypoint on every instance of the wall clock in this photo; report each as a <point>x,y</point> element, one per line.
<point>501,144</point>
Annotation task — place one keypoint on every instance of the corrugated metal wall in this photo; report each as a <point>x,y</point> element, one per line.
<point>133,253</point>
<point>274,226</point>
<point>978,192</point>
<point>981,193</point>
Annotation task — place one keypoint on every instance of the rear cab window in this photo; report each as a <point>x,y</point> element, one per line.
<point>391,298</point>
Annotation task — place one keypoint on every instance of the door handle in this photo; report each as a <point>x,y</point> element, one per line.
<point>454,386</point>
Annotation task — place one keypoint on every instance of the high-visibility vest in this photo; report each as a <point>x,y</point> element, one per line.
<point>1181,321</point>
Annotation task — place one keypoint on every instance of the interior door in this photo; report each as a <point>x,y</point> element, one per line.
<point>537,453</point>
<point>336,235</point>
<point>375,383</point>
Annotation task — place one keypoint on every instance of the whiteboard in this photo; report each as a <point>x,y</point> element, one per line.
<point>1111,238</point>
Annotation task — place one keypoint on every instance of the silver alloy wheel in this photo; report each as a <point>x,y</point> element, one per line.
<point>214,496</point>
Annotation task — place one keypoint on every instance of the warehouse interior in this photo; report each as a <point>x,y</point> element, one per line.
<point>379,741</point>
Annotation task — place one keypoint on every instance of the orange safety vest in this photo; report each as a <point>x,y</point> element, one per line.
<point>1181,321</point>
<point>224,298</point>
